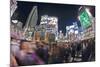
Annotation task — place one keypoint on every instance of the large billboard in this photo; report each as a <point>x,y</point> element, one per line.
<point>85,18</point>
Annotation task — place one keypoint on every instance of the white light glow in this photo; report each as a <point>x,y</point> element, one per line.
<point>15,21</point>
<point>71,31</point>
<point>88,11</point>
<point>76,32</point>
<point>72,26</point>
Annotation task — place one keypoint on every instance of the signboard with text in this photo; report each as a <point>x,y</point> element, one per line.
<point>85,19</point>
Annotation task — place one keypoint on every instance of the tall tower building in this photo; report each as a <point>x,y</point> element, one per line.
<point>31,21</point>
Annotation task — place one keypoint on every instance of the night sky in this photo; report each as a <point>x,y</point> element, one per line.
<point>66,13</point>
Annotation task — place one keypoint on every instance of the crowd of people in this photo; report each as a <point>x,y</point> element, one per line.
<point>24,52</point>
<point>81,51</point>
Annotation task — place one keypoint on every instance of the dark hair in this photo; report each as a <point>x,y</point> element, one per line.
<point>21,43</point>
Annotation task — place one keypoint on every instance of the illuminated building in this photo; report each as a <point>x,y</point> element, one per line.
<point>61,37</point>
<point>46,36</point>
<point>72,31</point>
<point>87,22</point>
<point>50,23</point>
<point>37,36</point>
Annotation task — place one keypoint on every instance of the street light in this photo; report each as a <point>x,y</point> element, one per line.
<point>15,21</point>
<point>71,31</point>
<point>76,32</point>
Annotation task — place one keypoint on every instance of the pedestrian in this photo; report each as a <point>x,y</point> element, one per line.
<point>26,56</point>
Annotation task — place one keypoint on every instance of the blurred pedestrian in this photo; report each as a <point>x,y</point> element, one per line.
<point>26,56</point>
